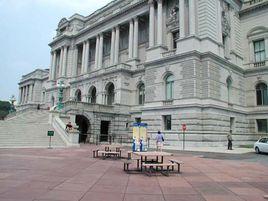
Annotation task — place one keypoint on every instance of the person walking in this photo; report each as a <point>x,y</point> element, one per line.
<point>230,140</point>
<point>159,141</point>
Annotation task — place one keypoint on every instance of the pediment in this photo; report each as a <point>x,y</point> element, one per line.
<point>257,30</point>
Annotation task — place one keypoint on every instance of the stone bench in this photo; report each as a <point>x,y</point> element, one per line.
<point>178,163</point>
<point>130,162</point>
<point>165,168</point>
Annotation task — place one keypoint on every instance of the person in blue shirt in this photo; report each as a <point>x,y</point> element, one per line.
<point>159,141</point>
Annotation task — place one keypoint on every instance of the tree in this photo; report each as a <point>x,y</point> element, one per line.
<point>5,106</point>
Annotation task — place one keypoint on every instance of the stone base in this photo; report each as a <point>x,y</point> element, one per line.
<point>133,62</point>
<point>154,53</point>
<point>193,43</point>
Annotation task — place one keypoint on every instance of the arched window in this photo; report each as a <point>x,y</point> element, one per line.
<point>110,93</point>
<point>141,89</point>
<point>229,88</point>
<point>169,87</point>
<point>78,95</point>
<point>92,97</point>
<point>261,94</point>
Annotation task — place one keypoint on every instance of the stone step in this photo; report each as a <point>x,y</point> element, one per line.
<point>28,129</point>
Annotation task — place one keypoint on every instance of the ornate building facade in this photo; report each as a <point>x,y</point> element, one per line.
<point>203,63</point>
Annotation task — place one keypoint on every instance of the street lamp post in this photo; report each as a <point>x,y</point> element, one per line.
<point>12,101</point>
<point>60,95</point>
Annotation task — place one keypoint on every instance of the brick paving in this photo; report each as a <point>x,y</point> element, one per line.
<point>73,175</point>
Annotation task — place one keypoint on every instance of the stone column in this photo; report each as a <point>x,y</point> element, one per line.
<point>130,39</point>
<point>64,62</point>
<point>159,22</point>
<point>100,51</point>
<point>151,24</point>
<point>83,58</point>
<point>75,57</point>
<point>192,17</point>
<point>30,93</point>
<point>61,61</point>
<point>26,94</point>
<point>136,38</point>
<point>20,95</point>
<point>86,57</point>
<point>219,24</point>
<point>112,47</point>
<point>54,66</point>
<point>51,66</point>
<point>182,20</point>
<point>266,48</point>
<point>116,48</point>
<point>97,51</point>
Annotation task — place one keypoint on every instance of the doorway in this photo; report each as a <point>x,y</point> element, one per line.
<point>83,127</point>
<point>104,131</point>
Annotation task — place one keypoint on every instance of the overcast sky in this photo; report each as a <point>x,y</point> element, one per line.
<point>26,28</point>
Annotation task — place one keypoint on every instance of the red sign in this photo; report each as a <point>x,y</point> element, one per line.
<point>184,127</point>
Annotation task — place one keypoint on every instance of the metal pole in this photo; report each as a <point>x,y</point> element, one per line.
<point>183,143</point>
<point>49,142</point>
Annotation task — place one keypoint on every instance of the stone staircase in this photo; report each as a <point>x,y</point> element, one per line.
<point>28,129</point>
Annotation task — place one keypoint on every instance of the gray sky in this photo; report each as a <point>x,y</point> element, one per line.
<point>26,28</point>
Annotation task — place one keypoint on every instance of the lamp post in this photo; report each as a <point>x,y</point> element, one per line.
<point>12,101</point>
<point>60,86</point>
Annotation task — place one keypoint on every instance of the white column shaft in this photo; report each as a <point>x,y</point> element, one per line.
<point>160,23</point>
<point>30,93</point>
<point>116,48</point>
<point>21,93</point>
<point>112,47</point>
<point>75,61</point>
<point>61,61</point>
<point>51,66</point>
<point>86,57</point>
<point>100,51</point>
<point>152,25</point>
<point>26,94</point>
<point>182,19</point>
<point>136,38</point>
<point>130,39</point>
<point>219,24</point>
<point>64,62</point>
<point>192,17</point>
<point>83,58</point>
<point>97,51</point>
<point>54,66</point>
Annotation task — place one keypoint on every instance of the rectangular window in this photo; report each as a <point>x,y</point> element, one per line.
<point>262,125</point>
<point>107,45</point>
<point>123,40</point>
<point>259,51</point>
<point>143,30</point>
<point>167,122</point>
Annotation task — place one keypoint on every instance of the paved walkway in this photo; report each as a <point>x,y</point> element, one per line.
<point>72,175</point>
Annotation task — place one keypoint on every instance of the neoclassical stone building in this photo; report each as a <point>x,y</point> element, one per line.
<point>163,62</point>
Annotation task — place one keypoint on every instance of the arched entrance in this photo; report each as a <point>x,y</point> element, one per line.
<point>84,128</point>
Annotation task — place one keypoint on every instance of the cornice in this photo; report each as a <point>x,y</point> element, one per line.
<point>94,25</point>
<point>253,8</point>
<point>198,55</point>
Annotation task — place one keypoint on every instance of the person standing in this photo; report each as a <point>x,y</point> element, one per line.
<point>230,140</point>
<point>159,141</point>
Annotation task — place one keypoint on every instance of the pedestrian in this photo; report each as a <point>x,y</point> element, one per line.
<point>69,126</point>
<point>230,140</point>
<point>159,141</point>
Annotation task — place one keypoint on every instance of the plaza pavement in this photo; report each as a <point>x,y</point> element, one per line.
<point>72,175</point>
